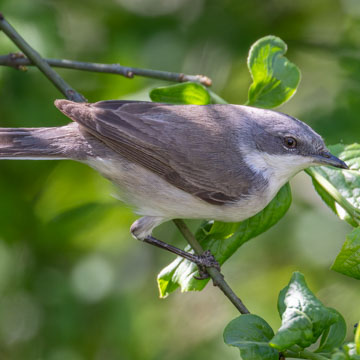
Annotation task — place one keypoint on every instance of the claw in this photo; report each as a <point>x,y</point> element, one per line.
<point>204,261</point>
<point>203,274</point>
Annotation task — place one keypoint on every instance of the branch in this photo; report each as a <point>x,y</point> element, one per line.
<point>214,273</point>
<point>37,60</point>
<point>19,61</point>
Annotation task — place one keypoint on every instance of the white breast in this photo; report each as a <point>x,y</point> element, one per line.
<point>152,196</point>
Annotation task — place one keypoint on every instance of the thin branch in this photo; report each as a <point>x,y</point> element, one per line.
<point>37,60</point>
<point>214,273</point>
<point>18,61</point>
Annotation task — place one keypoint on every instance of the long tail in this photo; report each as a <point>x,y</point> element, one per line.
<point>41,143</point>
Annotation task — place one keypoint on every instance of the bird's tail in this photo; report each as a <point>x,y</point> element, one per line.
<point>39,143</point>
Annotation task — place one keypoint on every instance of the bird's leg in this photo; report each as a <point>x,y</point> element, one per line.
<point>143,226</point>
<point>203,261</point>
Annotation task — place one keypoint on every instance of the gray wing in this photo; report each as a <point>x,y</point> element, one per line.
<point>191,147</point>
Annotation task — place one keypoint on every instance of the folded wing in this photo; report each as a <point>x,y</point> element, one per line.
<point>192,147</point>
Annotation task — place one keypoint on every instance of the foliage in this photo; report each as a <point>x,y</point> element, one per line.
<point>348,260</point>
<point>304,320</point>
<point>186,93</point>
<point>275,78</point>
<point>251,334</point>
<point>340,191</point>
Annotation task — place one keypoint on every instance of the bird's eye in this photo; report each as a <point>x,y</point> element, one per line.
<point>290,142</point>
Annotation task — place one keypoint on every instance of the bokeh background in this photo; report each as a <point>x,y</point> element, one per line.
<point>74,285</point>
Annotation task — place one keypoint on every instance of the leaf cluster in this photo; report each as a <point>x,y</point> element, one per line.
<point>305,320</point>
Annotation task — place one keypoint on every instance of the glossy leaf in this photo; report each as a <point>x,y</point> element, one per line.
<point>334,336</point>
<point>222,239</point>
<point>304,317</point>
<point>182,94</point>
<point>251,334</point>
<point>275,78</point>
<point>348,260</point>
<point>340,189</point>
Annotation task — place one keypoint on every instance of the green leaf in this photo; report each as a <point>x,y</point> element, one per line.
<point>340,189</point>
<point>304,317</point>
<point>334,336</point>
<point>182,94</point>
<point>222,239</point>
<point>348,260</point>
<point>165,278</point>
<point>275,78</point>
<point>251,334</point>
<point>349,351</point>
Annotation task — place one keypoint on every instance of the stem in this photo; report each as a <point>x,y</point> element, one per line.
<point>18,61</point>
<point>215,98</point>
<point>37,60</point>
<point>304,354</point>
<point>217,277</point>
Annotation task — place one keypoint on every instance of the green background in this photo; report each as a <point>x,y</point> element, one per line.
<point>74,285</point>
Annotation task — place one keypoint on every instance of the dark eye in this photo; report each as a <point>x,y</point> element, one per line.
<point>290,142</point>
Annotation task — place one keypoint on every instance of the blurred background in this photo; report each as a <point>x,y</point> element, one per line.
<point>74,285</point>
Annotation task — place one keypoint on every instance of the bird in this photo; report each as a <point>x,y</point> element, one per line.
<point>221,162</point>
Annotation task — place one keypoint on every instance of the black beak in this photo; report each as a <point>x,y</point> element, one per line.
<point>330,160</point>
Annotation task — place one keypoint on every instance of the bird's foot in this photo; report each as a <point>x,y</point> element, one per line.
<point>204,261</point>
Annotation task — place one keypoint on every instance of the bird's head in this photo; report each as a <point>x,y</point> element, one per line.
<point>282,145</point>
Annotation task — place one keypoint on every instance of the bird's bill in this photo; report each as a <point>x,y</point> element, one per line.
<point>330,160</point>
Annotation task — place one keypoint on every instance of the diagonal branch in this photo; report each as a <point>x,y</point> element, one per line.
<point>217,277</point>
<point>19,61</point>
<point>37,60</point>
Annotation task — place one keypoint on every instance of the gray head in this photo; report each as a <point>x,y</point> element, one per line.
<point>283,143</point>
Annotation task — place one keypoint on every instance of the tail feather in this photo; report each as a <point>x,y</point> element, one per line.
<point>39,143</point>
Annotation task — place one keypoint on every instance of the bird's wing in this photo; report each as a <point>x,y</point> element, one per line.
<point>192,147</point>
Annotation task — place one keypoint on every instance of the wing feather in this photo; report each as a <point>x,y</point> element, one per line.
<point>191,147</point>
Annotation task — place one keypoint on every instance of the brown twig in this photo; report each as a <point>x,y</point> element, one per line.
<point>37,60</point>
<point>19,62</point>
<point>214,273</point>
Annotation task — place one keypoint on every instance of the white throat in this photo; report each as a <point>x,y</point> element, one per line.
<point>276,169</point>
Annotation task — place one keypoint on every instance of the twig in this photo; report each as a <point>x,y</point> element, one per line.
<point>18,61</point>
<point>214,273</point>
<point>37,60</point>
